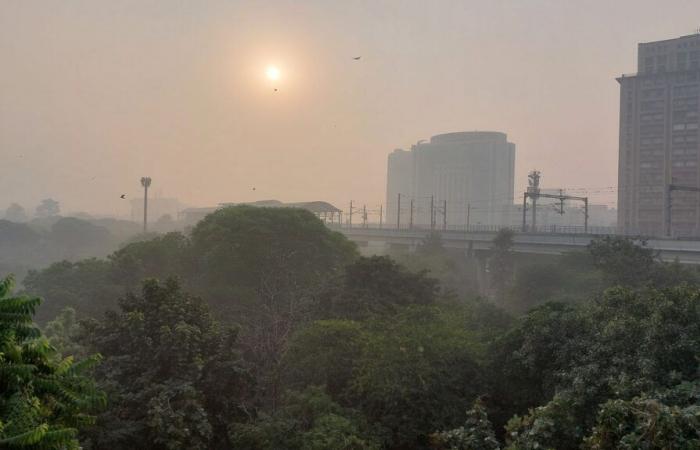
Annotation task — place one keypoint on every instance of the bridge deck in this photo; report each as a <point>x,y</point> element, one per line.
<point>685,251</point>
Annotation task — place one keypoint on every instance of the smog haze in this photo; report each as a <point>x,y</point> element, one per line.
<point>95,95</point>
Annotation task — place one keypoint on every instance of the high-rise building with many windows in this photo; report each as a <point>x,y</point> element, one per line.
<point>455,178</point>
<point>659,143</point>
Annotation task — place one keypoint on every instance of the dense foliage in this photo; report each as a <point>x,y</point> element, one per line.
<point>309,420</point>
<point>456,274</point>
<point>316,347</point>
<point>86,286</point>
<point>173,376</point>
<point>476,433</point>
<point>44,400</point>
<point>42,241</point>
<point>581,363</point>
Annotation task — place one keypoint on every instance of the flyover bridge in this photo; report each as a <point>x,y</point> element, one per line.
<point>372,239</point>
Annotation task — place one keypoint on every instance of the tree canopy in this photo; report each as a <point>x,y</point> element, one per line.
<point>174,378</point>
<point>263,329</point>
<point>44,401</point>
<point>15,213</point>
<point>48,208</point>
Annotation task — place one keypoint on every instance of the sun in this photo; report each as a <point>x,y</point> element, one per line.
<point>272,73</point>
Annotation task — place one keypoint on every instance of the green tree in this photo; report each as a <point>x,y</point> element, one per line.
<point>17,238</point>
<point>156,257</point>
<point>567,278</point>
<point>416,375</point>
<point>377,286</point>
<point>15,213</point>
<point>552,426</point>
<point>576,277</point>
<point>325,353</point>
<point>622,261</point>
<point>76,238</point>
<point>667,421</point>
<point>274,254</point>
<point>48,208</point>
<point>525,364</point>
<point>625,344</point>
<point>476,434</point>
<point>266,266</point>
<point>501,262</point>
<point>44,400</point>
<point>62,333</point>
<point>174,378</point>
<point>86,286</point>
<point>309,420</point>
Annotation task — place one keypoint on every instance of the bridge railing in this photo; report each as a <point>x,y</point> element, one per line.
<point>478,228</point>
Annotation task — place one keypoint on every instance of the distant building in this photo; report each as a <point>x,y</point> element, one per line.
<point>471,173</point>
<point>157,208</point>
<point>659,142</point>
<point>399,180</point>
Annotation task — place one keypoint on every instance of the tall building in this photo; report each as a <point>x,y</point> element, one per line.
<point>659,143</point>
<point>465,176</point>
<point>399,181</point>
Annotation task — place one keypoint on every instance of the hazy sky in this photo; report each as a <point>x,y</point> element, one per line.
<point>95,94</point>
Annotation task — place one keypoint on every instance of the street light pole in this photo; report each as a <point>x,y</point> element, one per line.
<point>145,182</point>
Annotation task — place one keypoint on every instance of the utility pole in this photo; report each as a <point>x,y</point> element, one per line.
<point>561,199</point>
<point>364,216</point>
<point>381,215</point>
<point>146,183</point>
<point>398,212</point>
<point>444,215</point>
<point>432,212</point>
<point>534,188</point>
<point>667,224</point>
<point>534,214</point>
<point>561,202</point>
<point>469,210</point>
<point>410,218</point>
<point>350,216</point>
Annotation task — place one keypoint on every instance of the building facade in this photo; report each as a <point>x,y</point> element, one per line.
<point>454,179</point>
<point>659,143</point>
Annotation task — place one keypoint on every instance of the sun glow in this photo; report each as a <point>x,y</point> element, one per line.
<point>272,73</point>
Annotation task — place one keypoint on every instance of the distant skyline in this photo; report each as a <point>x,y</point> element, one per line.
<point>96,94</point>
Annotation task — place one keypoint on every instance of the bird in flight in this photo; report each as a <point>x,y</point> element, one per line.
<point>356,58</point>
<point>275,89</point>
<point>122,196</point>
<point>253,188</point>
